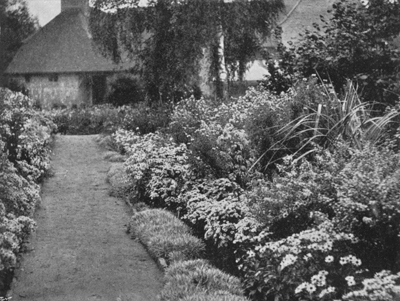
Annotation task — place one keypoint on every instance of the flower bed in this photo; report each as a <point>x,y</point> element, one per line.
<point>320,223</point>
<point>25,137</point>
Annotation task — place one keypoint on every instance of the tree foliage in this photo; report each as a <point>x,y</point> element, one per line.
<point>16,24</point>
<point>169,38</point>
<point>356,44</point>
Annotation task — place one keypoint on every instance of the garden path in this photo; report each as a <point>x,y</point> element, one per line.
<point>81,251</point>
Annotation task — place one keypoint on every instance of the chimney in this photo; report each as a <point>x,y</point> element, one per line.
<point>68,4</point>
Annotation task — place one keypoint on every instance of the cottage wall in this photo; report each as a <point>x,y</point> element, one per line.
<point>60,90</point>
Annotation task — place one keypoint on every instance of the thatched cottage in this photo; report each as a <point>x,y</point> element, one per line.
<point>60,64</point>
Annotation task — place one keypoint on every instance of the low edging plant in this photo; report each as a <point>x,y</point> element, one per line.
<point>197,280</point>
<point>165,236</point>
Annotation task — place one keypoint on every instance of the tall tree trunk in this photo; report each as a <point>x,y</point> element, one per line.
<point>222,78</point>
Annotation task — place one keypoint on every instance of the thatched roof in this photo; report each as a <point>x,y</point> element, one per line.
<point>62,46</point>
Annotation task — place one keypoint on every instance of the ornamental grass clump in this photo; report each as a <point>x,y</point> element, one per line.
<point>217,296</point>
<point>321,118</point>
<point>165,236</point>
<point>197,277</point>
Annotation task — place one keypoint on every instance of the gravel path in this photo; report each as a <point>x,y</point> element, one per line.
<point>81,250</point>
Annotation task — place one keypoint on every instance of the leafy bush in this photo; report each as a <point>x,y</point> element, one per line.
<point>220,135</point>
<point>25,137</point>
<point>217,216</point>
<point>189,278</point>
<point>354,44</point>
<point>25,132</point>
<point>368,190</point>
<point>187,116</point>
<point>19,195</point>
<point>145,119</point>
<point>383,286</point>
<point>124,91</point>
<point>313,262</point>
<point>165,235</point>
<point>157,166</point>
<point>351,195</point>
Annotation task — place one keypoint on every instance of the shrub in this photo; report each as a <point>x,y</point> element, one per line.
<point>25,137</point>
<point>354,44</point>
<point>187,278</point>
<point>383,286</point>
<point>25,132</point>
<point>187,116</point>
<point>18,195</point>
<point>353,191</point>
<point>145,119</point>
<point>227,137</point>
<point>124,91</point>
<point>312,263</point>
<point>157,166</point>
<point>283,205</point>
<point>87,121</point>
<point>217,211</point>
<point>368,190</point>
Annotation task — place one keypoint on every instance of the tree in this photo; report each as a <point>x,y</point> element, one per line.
<point>16,24</point>
<point>356,44</point>
<point>170,38</point>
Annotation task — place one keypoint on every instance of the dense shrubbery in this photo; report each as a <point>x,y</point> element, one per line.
<point>311,210</point>
<point>355,43</point>
<point>304,227</point>
<point>24,159</point>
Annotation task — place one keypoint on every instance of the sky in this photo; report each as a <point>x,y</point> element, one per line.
<point>45,10</point>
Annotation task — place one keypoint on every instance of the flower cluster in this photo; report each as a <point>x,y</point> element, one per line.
<point>366,2</point>
<point>219,217</point>
<point>383,286</point>
<point>25,136</point>
<point>309,262</point>
<point>26,133</point>
<point>158,166</point>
